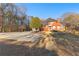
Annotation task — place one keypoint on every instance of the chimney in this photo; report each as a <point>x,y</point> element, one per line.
<point>59,19</point>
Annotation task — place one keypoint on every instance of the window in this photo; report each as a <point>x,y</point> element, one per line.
<point>53,27</point>
<point>58,27</point>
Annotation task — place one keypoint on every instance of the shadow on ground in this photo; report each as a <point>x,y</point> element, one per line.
<point>19,50</point>
<point>68,42</point>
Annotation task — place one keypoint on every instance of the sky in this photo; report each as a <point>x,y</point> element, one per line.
<point>46,10</point>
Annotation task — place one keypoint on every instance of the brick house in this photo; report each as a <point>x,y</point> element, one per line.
<point>54,26</point>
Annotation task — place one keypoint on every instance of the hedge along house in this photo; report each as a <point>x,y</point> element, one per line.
<point>56,25</point>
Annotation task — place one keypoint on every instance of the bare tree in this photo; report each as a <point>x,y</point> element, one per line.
<point>11,15</point>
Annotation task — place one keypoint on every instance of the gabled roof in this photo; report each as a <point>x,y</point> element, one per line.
<point>54,23</point>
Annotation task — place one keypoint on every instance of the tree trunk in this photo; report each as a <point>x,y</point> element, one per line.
<point>35,29</point>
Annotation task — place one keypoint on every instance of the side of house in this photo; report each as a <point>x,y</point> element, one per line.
<point>54,26</point>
